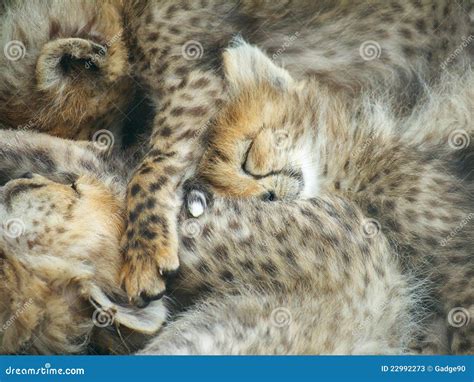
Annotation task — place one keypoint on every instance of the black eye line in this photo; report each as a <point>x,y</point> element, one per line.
<point>74,187</point>
<point>296,174</point>
<point>246,158</point>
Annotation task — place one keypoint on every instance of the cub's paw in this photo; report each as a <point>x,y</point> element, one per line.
<point>150,255</point>
<point>141,281</point>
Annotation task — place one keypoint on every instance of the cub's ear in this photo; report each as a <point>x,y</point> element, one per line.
<point>146,321</point>
<point>67,58</point>
<point>246,65</point>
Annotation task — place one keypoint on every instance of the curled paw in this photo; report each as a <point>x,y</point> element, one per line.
<point>145,271</point>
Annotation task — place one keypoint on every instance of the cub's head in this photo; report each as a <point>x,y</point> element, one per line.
<point>265,128</point>
<point>59,264</point>
<point>63,66</point>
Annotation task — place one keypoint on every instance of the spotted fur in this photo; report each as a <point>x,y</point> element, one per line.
<point>60,253</point>
<point>286,288</point>
<point>177,48</point>
<point>64,67</point>
<point>323,39</point>
<point>411,177</point>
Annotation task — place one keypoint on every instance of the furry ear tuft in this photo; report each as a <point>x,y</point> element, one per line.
<point>66,57</point>
<point>245,65</point>
<point>146,320</point>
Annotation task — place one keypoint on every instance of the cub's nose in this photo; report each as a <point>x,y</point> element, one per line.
<point>269,196</point>
<point>26,175</point>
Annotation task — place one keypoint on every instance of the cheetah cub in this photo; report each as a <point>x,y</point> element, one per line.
<point>280,139</point>
<point>299,284</point>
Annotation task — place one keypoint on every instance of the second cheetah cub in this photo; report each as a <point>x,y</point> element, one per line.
<point>283,139</point>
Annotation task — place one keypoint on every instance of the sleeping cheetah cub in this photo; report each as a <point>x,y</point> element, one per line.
<point>307,281</point>
<point>176,49</point>
<point>72,67</point>
<point>280,139</point>
<point>412,178</point>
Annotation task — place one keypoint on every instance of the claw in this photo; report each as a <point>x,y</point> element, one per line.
<point>196,203</point>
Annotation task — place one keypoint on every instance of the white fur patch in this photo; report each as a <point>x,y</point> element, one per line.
<point>247,64</point>
<point>308,164</point>
<point>196,208</point>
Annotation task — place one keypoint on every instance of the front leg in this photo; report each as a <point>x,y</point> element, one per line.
<point>154,193</point>
<point>150,242</point>
<point>52,157</point>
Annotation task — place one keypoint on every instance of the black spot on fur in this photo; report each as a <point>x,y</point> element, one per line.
<point>221,252</point>
<point>227,276</point>
<point>188,243</point>
<point>135,190</point>
<point>269,268</point>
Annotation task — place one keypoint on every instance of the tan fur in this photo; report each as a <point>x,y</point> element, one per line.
<point>414,47</point>
<point>413,181</point>
<point>60,261</point>
<point>300,295</point>
<point>416,39</point>
<point>328,41</point>
<point>71,73</point>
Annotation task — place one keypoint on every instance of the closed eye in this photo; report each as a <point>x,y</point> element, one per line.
<point>289,172</point>
<point>74,187</point>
